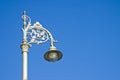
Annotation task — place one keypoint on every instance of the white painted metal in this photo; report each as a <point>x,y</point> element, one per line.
<point>25,66</point>
<point>25,48</point>
<point>33,34</point>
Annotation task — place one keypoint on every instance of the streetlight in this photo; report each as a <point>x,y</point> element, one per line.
<point>36,34</point>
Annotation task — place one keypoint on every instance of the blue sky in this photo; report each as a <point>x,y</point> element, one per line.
<point>88,34</point>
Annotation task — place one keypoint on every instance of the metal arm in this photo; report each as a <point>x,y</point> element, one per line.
<point>35,33</point>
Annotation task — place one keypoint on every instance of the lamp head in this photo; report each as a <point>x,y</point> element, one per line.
<point>53,55</point>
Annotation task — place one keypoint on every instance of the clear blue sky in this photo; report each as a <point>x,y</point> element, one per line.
<point>88,34</point>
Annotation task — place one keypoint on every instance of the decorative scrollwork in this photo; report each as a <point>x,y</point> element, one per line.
<point>35,33</point>
<point>37,36</point>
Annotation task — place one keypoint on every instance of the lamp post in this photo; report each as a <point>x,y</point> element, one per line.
<point>36,34</point>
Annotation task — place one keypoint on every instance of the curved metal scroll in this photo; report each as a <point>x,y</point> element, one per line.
<point>36,33</point>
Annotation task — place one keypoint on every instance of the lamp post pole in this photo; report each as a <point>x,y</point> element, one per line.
<point>36,34</point>
<point>25,48</point>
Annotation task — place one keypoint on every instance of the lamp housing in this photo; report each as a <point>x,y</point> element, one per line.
<point>53,55</point>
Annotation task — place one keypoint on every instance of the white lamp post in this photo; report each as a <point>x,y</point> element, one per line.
<point>37,34</point>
